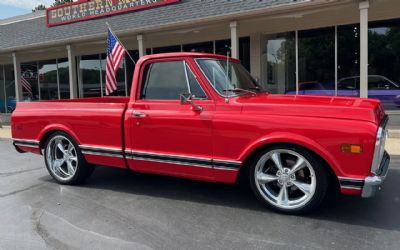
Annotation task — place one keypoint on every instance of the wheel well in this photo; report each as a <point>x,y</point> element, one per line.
<point>243,173</point>
<point>46,137</point>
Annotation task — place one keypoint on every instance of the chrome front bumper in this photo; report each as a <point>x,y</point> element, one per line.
<point>373,183</point>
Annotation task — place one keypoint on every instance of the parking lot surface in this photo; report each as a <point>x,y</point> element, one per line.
<point>118,209</point>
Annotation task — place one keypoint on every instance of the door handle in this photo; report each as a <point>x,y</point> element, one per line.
<point>138,114</point>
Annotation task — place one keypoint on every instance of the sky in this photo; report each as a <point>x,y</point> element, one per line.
<point>9,8</point>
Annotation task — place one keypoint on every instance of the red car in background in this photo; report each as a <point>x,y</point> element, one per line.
<point>203,117</point>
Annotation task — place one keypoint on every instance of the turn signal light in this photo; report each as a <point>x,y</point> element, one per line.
<point>353,149</point>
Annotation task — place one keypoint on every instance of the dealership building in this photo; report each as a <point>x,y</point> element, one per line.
<point>318,47</point>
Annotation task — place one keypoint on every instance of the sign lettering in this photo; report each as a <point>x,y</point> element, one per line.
<point>89,9</point>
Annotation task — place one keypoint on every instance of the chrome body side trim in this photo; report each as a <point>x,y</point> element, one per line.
<point>100,148</point>
<point>224,168</point>
<point>101,154</point>
<point>351,179</point>
<point>351,187</point>
<point>166,155</point>
<point>162,158</point>
<point>171,162</point>
<point>101,151</point>
<point>26,143</point>
<point>183,160</point>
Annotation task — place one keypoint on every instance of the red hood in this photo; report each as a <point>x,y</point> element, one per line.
<point>316,106</point>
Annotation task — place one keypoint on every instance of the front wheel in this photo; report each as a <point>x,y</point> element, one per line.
<point>64,160</point>
<point>288,179</point>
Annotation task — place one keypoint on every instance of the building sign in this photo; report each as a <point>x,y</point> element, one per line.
<point>89,9</point>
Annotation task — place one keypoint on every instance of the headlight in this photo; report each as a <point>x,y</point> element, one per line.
<point>379,151</point>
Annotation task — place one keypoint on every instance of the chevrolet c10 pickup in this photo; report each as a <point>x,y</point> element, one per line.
<point>203,117</point>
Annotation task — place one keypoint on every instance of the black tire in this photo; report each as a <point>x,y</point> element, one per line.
<point>264,194</point>
<point>83,169</point>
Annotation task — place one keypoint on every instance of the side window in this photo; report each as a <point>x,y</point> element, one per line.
<point>164,81</point>
<point>195,88</point>
<point>167,80</point>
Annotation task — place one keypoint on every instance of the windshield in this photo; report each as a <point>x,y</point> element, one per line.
<point>228,78</point>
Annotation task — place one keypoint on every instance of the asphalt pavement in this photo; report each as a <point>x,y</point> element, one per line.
<point>394,122</point>
<point>118,209</point>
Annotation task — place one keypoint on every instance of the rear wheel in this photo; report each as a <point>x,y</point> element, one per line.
<point>288,179</point>
<point>64,160</point>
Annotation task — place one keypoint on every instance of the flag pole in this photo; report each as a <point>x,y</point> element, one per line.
<point>122,45</point>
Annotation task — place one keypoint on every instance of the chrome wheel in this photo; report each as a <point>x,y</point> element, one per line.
<point>61,157</point>
<point>285,179</point>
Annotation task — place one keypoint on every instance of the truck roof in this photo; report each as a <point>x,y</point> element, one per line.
<point>186,54</point>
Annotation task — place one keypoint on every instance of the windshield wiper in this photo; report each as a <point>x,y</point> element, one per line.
<point>241,90</point>
<point>257,88</point>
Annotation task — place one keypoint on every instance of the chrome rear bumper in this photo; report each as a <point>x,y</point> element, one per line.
<point>373,183</point>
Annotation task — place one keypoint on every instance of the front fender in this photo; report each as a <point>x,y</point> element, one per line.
<point>285,137</point>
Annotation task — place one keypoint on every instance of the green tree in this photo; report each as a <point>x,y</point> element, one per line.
<point>59,2</point>
<point>39,7</point>
<point>56,3</point>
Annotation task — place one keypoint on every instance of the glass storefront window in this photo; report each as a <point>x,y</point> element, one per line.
<point>3,101</point>
<point>205,47</point>
<point>223,47</point>
<point>29,81</point>
<point>384,63</point>
<point>121,90</point>
<point>244,52</point>
<point>48,80</point>
<point>63,76</point>
<point>348,61</point>
<point>9,87</point>
<point>90,75</point>
<point>279,63</point>
<point>168,49</point>
<point>130,68</point>
<point>316,62</point>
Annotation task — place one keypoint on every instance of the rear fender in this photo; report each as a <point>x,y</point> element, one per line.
<point>56,127</point>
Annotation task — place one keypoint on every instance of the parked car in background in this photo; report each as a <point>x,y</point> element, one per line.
<point>379,87</point>
<point>8,105</point>
<point>397,100</point>
<point>314,88</point>
<point>203,117</point>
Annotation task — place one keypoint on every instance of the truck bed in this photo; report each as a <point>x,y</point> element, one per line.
<point>91,121</point>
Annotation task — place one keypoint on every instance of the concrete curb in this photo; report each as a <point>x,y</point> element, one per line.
<point>394,133</point>
<point>5,132</point>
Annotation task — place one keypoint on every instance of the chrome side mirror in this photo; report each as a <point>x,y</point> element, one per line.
<point>186,98</point>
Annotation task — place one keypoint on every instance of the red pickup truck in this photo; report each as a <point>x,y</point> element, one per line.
<point>203,117</point>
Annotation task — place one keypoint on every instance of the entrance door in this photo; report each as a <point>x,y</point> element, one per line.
<point>169,137</point>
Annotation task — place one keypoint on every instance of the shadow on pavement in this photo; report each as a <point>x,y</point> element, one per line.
<point>379,212</point>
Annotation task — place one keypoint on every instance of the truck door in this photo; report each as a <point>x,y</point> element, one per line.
<point>167,136</point>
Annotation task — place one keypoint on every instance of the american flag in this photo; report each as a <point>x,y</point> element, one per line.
<point>115,54</point>
<point>26,85</point>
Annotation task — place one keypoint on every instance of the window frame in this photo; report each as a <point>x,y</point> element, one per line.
<point>185,65</point>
